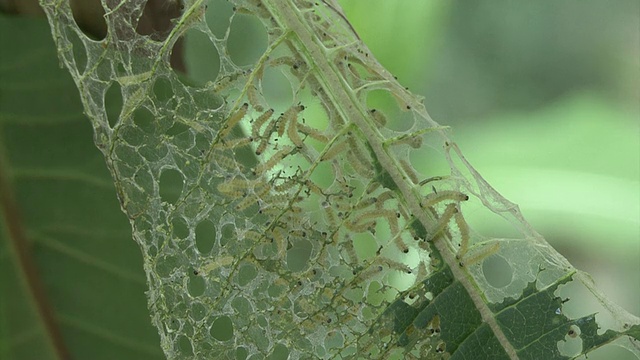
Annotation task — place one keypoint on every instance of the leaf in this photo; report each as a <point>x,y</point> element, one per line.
<point>71,282</point>
<point>331,245</point>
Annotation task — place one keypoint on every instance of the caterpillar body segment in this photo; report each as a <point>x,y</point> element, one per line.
<point>233,143</point>
<point>273,160</point>
<point>408,170</point>
<point>313,133</point>
<point>464,234</point>
<point>437,197</point>
<point>477,255</point>
<point>378,117</point>
<point>266,135</point>
<point>261,120</point>
<point>334,151</point>
<point>254,98</point>
<point>389,215</point>
<point>358,165</point>
<point>233,120</point>
<point>226,162</point>
<point>397,240</point>
<point>436,231</point>
<point>347,245</point>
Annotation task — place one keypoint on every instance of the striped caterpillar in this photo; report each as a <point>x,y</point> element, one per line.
<point>273,160</point>
<point>233,120</point>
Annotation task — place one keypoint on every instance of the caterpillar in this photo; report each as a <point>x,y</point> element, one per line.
<point>257,124</point>
<point>362,204</point>
<point>252,235</point>
<point>273,160</point>
<point>395,265</point>
<point>408,170</point>
<point>233,120</point>
<point>254,98</point>
<point>281,241</point>
<point>347,245</point>
<point>358,165</point>
<point>234,143</point>
<point>291,116</point>
<point>226,162</point>
<point>480,254</point>
<point>334,151</point>
<point>464,234</point>
<point>284,186</point>
<point>414,140</point>
<point>259,192</point>
<point>368,273</point>
<point>386,195</point>
<point>378,117</point>
<point>422,271</point>
<point>441,225</point>
<point>313,187</point>
<point>437,197</point>
<point>358,226</point>
<point>234,187</point>
<point>313,133</point>
<point>397,240</point>
<point>224,82</point>
<point>282,123</point>
<point>388,215</point>
<point>293,133</point>
<point>266,135</point>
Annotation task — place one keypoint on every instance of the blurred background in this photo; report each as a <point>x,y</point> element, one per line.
<point>543,100</point>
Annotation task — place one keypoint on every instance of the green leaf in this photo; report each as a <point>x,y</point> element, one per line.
<point>331,244</point>
<point>71,279</point>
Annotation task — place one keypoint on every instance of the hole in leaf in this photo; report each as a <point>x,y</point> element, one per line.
<point>205,236</point>
<point>280,352</point>
<point>611,351</point>
<point>201,56</point>
<point>241,305</point>
<point>571,346</point>
<point>228,233</point>
<point>144,119</point>
<point>276,88</point>
<point>156,19</point>
<point>166,265</point>
<point>180,229</point>
<point>113,103</point>
<point>241,353</point>
<point>184,344</point>
<point>162,89</point>
<point>246,274</point>
<point>298,255</point>
<point>121,71</point>
<point>89,16</point>
<point>222,329</point>
<point>247,40</point>
<point>198,311</point>
<point>196,284</point>
<point>177,128</point>
<point>397,118</point>
<point>275,290</point>
<point>497,271</point>
<point>171,183</point>
<point>218,16</point>
<point>79,52</point>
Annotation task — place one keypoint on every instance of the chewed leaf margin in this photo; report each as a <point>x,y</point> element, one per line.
<point>315,207</point>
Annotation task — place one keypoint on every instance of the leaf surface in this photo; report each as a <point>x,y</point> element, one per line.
<point>327,244</point>
<point>72,284</point>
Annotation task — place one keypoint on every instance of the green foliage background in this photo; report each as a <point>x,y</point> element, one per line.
<point>540,95</point>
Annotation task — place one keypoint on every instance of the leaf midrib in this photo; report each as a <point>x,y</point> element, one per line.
<point>346,102</point>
